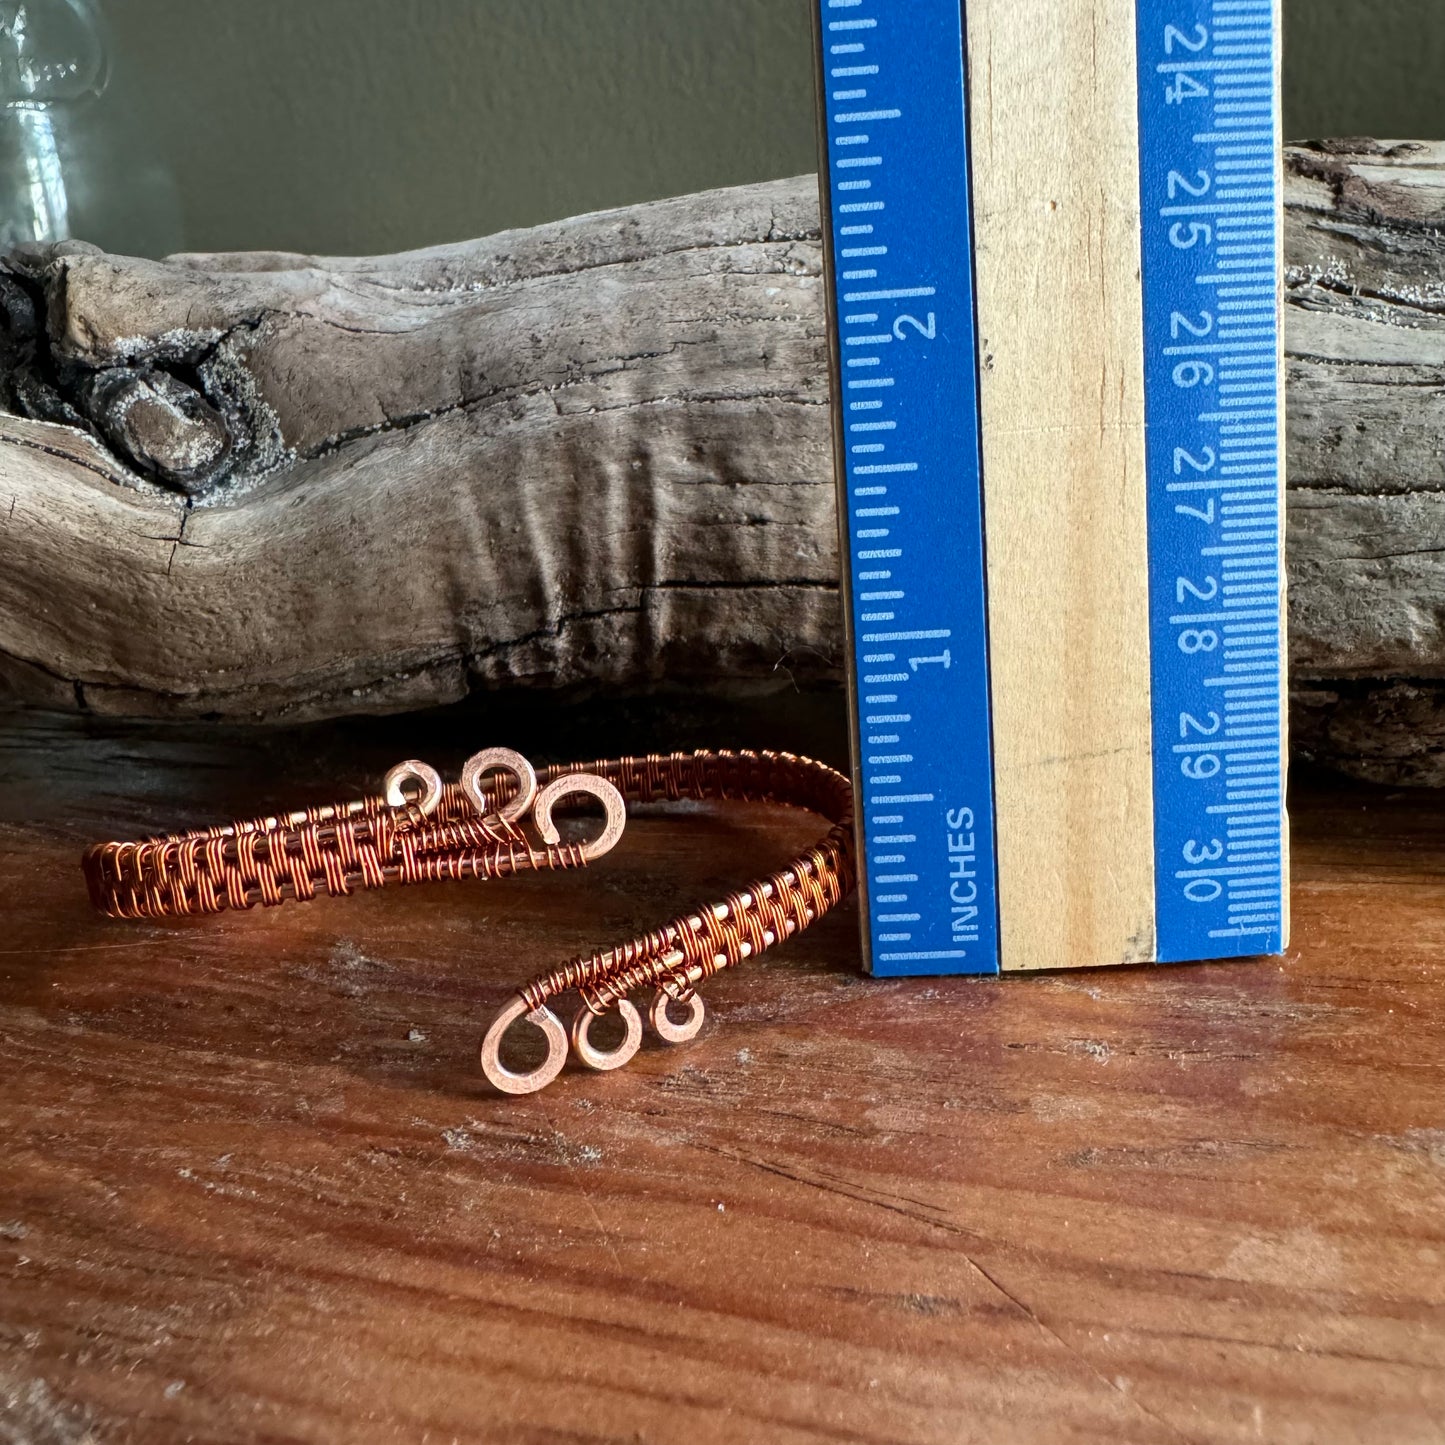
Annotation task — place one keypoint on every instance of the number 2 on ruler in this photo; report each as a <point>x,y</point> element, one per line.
<point>1207,108</point>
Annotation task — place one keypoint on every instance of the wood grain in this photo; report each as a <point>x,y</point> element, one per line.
<point>597,453</point>
<point>1056,197</point>
<point>253,1191</point>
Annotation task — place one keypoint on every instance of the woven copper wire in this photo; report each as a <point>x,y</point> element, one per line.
<point>367,844</point>
<point>335,849</point>
<point>691,948</point>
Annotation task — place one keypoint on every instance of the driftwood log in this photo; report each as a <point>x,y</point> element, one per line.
<point>275,487</point>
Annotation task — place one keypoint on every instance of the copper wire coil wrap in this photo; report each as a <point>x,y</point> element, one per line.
<point>341,847</point>
<point>750,919</point>
<point>460,831</point>
<point>335,850</point>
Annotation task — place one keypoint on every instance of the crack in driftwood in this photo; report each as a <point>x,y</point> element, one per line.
<point>447,467</point>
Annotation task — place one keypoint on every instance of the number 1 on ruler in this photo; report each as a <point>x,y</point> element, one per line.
<point>907,419</point>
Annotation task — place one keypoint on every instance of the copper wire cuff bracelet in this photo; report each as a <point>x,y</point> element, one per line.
<point>497,820</point>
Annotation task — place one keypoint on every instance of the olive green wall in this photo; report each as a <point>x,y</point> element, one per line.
<point>373,125</point>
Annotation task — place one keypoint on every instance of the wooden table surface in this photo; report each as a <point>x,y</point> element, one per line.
<point>254,1190</point>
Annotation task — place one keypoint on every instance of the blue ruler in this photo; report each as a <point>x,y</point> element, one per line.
<point>1209,122</point>
<point>897,194</point>
<point>893,94</point>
